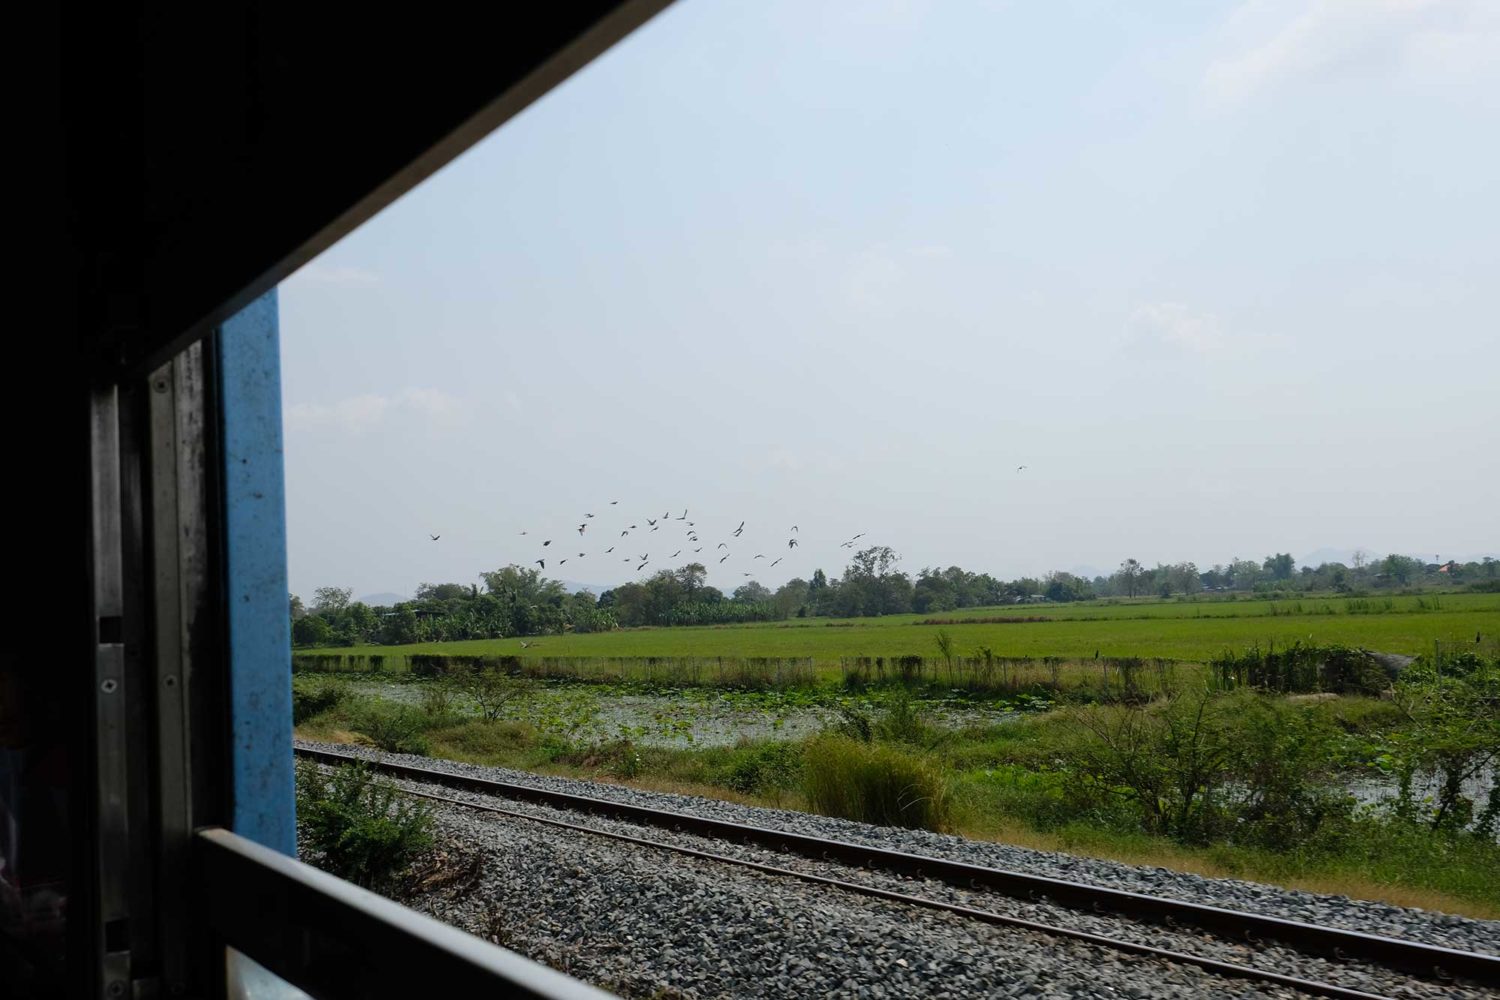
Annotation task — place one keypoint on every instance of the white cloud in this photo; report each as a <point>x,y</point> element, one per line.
<point>1424,44</point>
<point>872,275</point>
<point>431,408</point>
<point>1172,329</point>
<point>340,276</point>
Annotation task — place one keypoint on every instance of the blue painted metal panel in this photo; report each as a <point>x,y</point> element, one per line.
<point>260,642</point>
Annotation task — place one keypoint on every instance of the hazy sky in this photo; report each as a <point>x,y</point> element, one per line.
<point>1224,277</point>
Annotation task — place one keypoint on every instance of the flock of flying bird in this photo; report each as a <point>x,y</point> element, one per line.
<point>693,541</point>
<point>654,524</point>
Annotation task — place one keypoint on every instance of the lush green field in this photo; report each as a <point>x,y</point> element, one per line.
<point>1193,631</point>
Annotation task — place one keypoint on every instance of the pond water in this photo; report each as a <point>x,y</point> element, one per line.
<point>693,718</point>
<point>705,718</point>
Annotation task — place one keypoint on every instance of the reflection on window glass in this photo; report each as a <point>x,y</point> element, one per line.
<point>246,979</point>
<point>33,837</point>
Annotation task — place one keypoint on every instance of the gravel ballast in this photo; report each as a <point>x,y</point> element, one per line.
<point>567,887</point>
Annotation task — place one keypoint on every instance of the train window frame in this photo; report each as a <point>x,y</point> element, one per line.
<point>186,794</point>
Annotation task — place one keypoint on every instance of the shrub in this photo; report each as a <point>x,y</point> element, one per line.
<point>358,827</point>
<point>397,728</point>
<point>760,768</point>
<point>874,784</point>
<point>314,697</point>
<point>1284,768</point>
<point>492,690</point>
<point>1169,760</point>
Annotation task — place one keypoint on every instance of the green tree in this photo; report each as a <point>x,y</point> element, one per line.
<point>1401,569</point>
<point>1279,566</point>
<point>790,597</point>
<point>1129,576</point>
<point>752,592</point>
<point>311,630</point>
<point>444,591</point>
<point>331,600</point>
<point>522,585</point>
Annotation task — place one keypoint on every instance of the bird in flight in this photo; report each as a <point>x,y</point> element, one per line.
<point>794,527</point>
<point>528,645</point>
<point>791,543</point>
<point>757,556</point>
<point>588,515</point>
<point>778,559</point>
<point>581,555</point>
<point>699,549</point>
<point>721,560</point>
<point>641,567</point>
<point>649,520</point>
<point>523,532</point>
<point>676,554</point>
<point>546,543</point>
<point>624,533</point>
<point>561,561</point>
<point>857,537</point>
<point>739,529</point>
<point>581,527</point>
<point>542,563</point>
<point>747,574</point>
<point>613,502</point>
<point>609,550</point>
<point>1020,468</point>
<point>722,545</point>
<point>436,537</point>
<point>684,515</point>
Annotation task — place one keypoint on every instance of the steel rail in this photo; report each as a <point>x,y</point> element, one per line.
<point>1414,958</point>
<point>985,916</point>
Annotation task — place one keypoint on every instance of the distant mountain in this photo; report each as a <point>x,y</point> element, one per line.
<point>382,600</point>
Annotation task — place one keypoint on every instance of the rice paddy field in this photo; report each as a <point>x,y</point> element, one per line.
<point>1191,631</point>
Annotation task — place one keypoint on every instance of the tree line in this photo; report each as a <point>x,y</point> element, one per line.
<point>519,601</point>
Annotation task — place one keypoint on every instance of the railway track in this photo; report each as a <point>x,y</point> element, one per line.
<point>1427,962</point>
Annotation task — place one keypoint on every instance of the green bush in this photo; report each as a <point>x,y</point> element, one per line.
<point>314,696</point>
<point>875,784</point>
<point>358,827</point>
<point>760,768</point>
<point>1045,800</point>
<point>397,728</point>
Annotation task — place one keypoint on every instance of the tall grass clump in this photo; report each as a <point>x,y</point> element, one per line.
<point>874,784</point>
